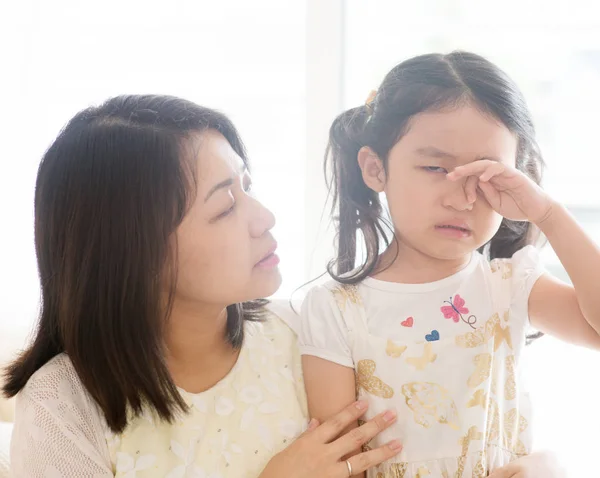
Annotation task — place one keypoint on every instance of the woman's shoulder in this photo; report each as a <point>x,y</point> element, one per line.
<point>57,385</point>
<point>281,320</point>
<point>54,375</point>
<point>56,422</point>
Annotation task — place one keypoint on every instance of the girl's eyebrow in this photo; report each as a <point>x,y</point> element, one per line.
<point>433,152</point>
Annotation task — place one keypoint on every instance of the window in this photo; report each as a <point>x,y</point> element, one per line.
<point>245,58</point>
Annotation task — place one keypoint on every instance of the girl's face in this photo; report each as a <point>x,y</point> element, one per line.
<point>225,247</point>
<point>430,213</point>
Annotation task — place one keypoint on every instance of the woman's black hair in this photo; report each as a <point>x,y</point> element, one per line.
<point>110,192</point>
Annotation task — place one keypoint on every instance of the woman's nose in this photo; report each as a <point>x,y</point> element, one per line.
<point>263,220</point>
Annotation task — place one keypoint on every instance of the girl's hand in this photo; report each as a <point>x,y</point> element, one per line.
<point>509,192</point>
<point>318,452</point>
<point>537,465</point>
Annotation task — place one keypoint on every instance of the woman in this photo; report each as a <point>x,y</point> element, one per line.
<point>154,354</point>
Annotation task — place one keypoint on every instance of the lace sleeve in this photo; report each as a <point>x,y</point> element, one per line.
<point>58,430</point>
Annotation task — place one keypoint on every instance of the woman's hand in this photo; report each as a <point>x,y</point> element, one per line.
<point>318,452</point>
<point>537,465</point>
<point>511,193</point>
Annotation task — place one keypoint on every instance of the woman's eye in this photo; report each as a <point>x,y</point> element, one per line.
<point>435,169</point>
<point>226,213</point>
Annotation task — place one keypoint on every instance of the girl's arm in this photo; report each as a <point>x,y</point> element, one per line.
<point>568,312</point>
<point>329,388</point>
<point>571,313</point>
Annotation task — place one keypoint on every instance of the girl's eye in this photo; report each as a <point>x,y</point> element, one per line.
<point>435,169</point>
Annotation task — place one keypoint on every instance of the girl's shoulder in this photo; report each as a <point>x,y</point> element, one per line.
<point>523,263</point>
<point>335,295</point>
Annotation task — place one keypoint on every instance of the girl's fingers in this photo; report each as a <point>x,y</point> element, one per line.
<point>471,189</point>
<point>494,170</point>
<point>476,168</point>
<point>490,193</point>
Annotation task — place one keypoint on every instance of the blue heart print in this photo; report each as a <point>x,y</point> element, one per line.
<point>433,336</point>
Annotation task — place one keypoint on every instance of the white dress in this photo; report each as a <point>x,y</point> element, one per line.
<point>446,355</point>
<point>232,430</point>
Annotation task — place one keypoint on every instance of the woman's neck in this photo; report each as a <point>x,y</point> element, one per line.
<point>198,352</point>
<point>405,264</point>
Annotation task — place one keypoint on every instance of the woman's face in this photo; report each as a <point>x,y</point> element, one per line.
<point>226,253</point>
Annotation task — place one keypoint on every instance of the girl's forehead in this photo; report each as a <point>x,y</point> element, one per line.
<point>464,129</point>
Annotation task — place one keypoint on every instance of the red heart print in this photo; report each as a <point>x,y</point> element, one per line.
<point>408,322</point>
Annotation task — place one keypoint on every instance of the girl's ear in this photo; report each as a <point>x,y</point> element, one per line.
<point>373,172</point>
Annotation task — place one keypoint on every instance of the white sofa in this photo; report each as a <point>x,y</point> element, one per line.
<point>11,340</point>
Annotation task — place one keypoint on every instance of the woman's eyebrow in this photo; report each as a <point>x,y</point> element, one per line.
<point>222,185</point>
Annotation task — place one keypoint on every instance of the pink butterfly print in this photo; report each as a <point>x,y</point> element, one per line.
<point>455,308</point>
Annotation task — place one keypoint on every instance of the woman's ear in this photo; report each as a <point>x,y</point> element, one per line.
<point>373,172</point>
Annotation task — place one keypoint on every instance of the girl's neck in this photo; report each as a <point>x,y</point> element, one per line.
<point>198,353</point>
<point>406,265</point>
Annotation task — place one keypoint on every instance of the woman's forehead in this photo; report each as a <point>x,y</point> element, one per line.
<point>215,158</point>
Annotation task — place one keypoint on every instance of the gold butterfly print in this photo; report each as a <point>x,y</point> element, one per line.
<point>483,368</point>
<point>422,472</point>
<point>393,350</point>
<point>480,469</point>
<point>502,334</point>
<point>430,402</point>
<point>502,265</point>
<point>513,425</point>
<point>396,470</point>
<point>368,382</point>
<point>494,384</point>
<point>479,336</point>
<point>491,329</point>
<point>345,293</point>
<point>510,387</point>
<point>421,362</point>
<point>479,399</point>
<point>464,443</point>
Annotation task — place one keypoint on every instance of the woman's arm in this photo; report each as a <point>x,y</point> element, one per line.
<point>57,431</point>
<point>329,388</point>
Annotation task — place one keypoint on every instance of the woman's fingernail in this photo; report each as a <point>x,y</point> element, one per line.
<point>361,404</point>
<point>313,423</point>
<point>389,415</point>
<point>395,445</point>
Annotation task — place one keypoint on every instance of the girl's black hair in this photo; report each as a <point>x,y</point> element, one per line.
<point>425,83</point>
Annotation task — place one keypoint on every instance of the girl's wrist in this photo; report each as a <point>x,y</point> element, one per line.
<point>551,216</point>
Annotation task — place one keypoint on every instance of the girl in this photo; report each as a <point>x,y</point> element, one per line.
<point>435,325</point>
